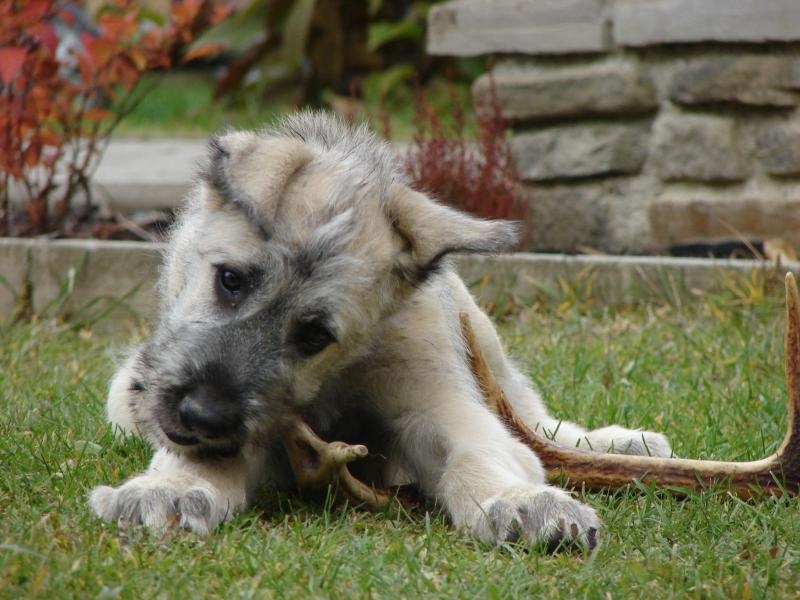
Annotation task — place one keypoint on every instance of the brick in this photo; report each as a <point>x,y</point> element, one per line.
<point>567,216</point>
<point>535,93</point>
<point>580,150</point>
<point>694,147</point>
<point>474,27</point>
<point>156,174</point>
<point>607,214</point>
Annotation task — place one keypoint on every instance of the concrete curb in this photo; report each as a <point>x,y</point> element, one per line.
<point>607,280</point>
<point>87,278</point>
<point>82,279</point>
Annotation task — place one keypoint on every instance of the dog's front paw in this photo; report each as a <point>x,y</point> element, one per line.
<point>155,501</point>
<point>538,515</point>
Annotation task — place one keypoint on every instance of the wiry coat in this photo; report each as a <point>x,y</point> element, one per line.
<point>305,276</point>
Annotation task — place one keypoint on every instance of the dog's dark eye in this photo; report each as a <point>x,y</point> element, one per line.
<point>230,280</point>
<point>230,285</point>
<point>312,337</point>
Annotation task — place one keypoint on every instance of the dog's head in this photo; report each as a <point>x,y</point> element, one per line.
<point>294,247</point>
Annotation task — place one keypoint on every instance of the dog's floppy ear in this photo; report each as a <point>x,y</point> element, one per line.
<point>251,171</point>
<point>432,230</point>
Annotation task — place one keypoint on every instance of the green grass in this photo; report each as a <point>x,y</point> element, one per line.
<point>706,370</point>
<point>180,103</point>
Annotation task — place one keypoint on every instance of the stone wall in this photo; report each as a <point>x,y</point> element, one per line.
<point>640,125</point>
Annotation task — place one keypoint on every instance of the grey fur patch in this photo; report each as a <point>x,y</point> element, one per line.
<point>504,521</point>
<point>546,519</point>
<point>215,174</point>
<point>358,149</point>
<point>557,521</point>
<point>134,505</point>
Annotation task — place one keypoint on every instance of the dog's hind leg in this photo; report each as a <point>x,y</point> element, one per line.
<point>613,438</point>
<point>529,406</point>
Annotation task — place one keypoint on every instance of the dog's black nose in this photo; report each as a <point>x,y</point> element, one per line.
<point>207,415</point>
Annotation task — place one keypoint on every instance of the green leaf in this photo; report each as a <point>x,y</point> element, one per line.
<point>157,17</point>
<point>296,30</point>
<point>383,32</point>
<point>382,83</point>
<point>239,31</point>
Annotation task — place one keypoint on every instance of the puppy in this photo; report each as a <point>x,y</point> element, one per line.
<point>304,276</point>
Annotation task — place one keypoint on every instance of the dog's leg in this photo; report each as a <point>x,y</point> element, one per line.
<point>456,448</point>
<point>200,494</point>
<point>529,406</point>
<point>613,438</point>
<point>620,440</point>
<point>120,403</point>
<point>490,483</point>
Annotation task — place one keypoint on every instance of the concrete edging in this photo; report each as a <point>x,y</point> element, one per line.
<point>608,279</point>
<point>80,277</point>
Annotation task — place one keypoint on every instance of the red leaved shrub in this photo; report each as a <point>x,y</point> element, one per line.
<point>478,176</point>
<point>59,102</point>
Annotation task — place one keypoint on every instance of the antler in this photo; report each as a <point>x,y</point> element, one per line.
<point>776,474</point>
<point>317,463</point>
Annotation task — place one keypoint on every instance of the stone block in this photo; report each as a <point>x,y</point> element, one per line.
<point>778,148</point>
<point>535,93</point>
<point>580,150</point>
<point>694,147</point>
<point>747,80</point>
<point>474,27</point>
<point>609,215</point>
<point>691,218</point>
<point>565,217</point>
<point>15,265</point>
<point>81,277</point>
<point>649,22</point>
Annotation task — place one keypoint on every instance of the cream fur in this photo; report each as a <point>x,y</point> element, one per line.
<point>374,249</point>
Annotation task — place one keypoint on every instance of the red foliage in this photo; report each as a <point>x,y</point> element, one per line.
<point>59,104</point>
<point>477,176</point>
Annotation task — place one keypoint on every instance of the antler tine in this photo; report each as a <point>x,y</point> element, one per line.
<point>776,474</point>
<point>317,464</point>
<point>789,451</point>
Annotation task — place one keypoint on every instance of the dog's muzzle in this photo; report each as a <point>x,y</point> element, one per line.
<point>206,415</point>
